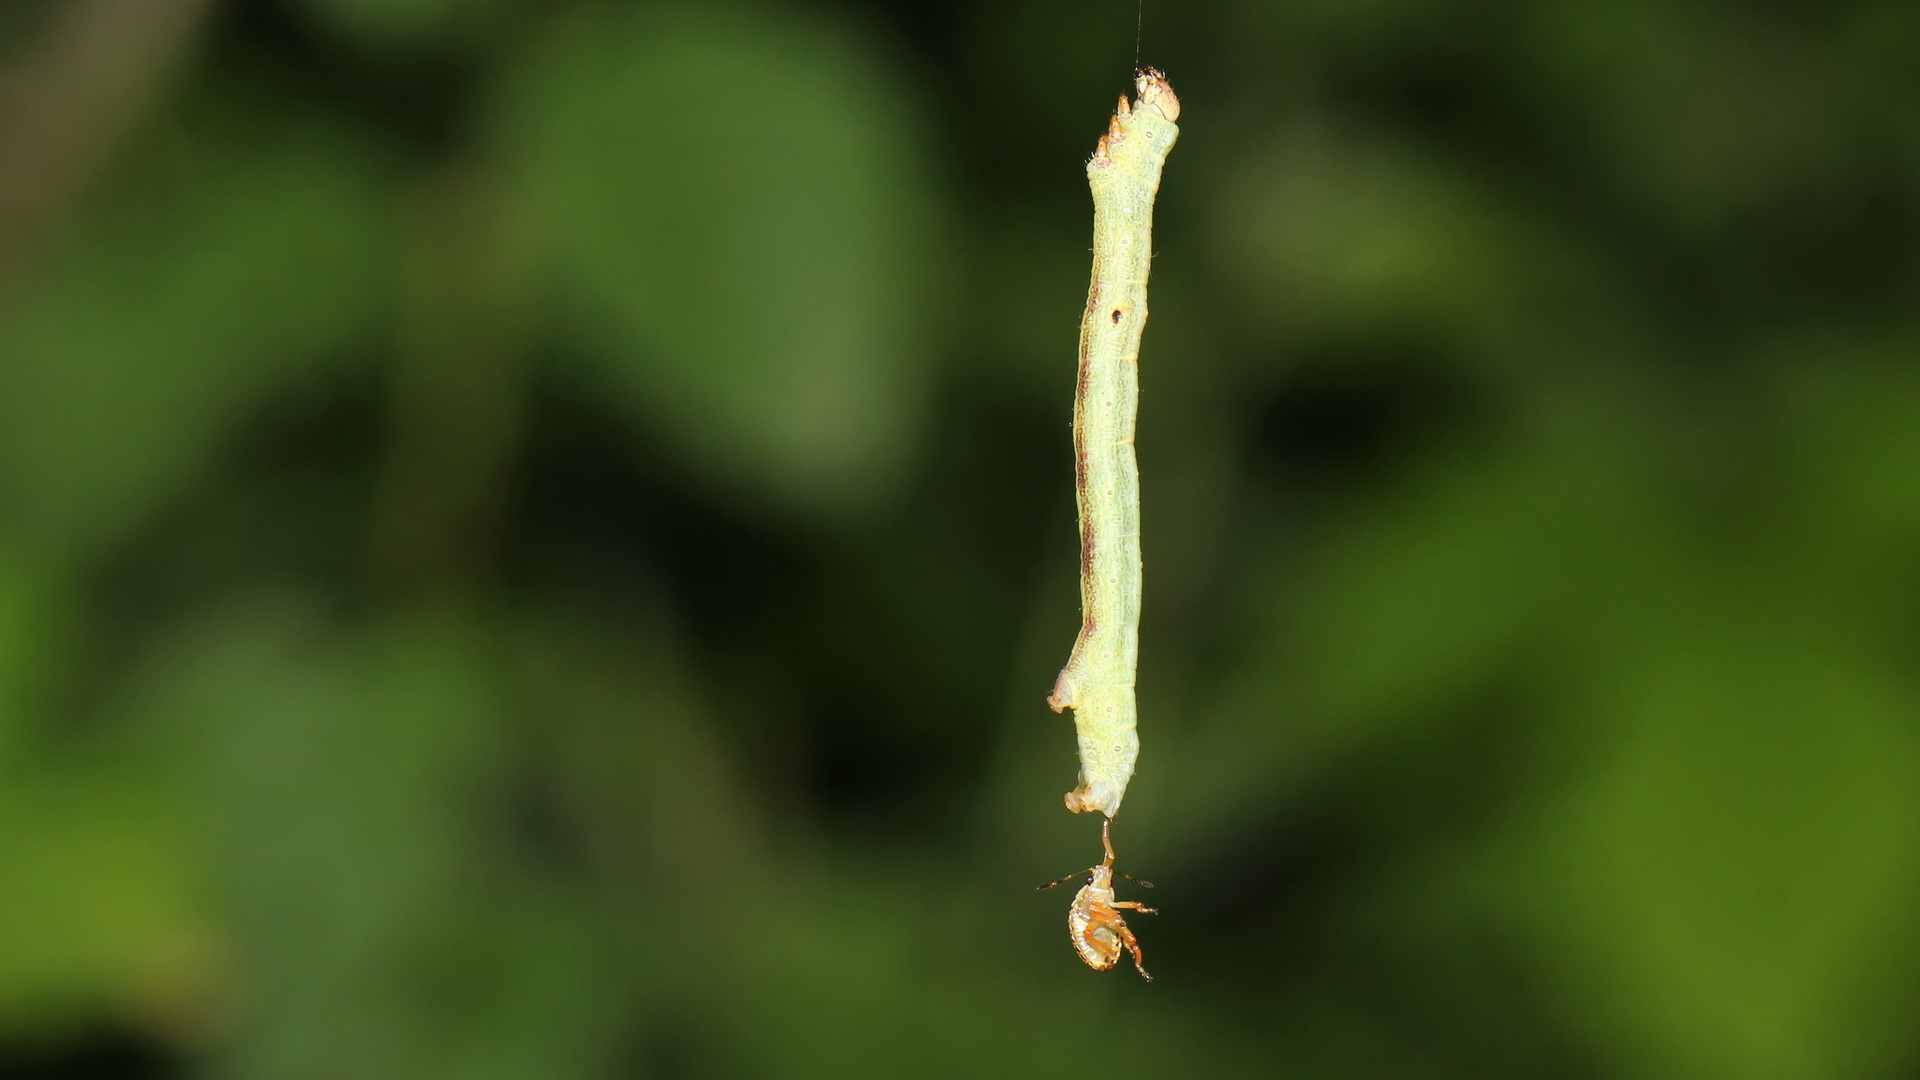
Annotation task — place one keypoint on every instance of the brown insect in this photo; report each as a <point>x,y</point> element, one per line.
<point>1094,922</point>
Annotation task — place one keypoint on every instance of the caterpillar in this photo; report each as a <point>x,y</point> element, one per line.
<point>1098,680</point>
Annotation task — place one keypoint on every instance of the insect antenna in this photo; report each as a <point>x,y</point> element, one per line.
<point>1064,880</point>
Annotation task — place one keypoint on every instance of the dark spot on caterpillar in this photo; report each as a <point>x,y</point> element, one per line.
<point>1116,316</point>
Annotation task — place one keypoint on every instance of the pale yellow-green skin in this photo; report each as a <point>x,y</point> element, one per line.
<point>1097,682</point>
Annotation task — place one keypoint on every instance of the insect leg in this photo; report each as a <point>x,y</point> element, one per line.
<point>1132,945</point>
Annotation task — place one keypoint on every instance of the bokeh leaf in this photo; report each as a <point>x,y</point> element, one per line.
<point>344,782</point>
<point>212,276</point>
<point>740,226</point>
<point>1732,880</point>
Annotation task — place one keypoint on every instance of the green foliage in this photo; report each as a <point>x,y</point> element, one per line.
<point>214,275</point>
<point>735,210</point>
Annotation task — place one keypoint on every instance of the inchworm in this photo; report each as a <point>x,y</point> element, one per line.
<point>1097,682</point>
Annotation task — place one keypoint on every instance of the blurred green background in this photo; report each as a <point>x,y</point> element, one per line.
<point>534,538</point>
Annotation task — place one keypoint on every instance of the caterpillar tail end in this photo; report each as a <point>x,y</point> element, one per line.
<point>1080,800</point>
<point>1102,795</point>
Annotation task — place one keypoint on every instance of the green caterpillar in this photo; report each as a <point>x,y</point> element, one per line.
<point>1097,683</point>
